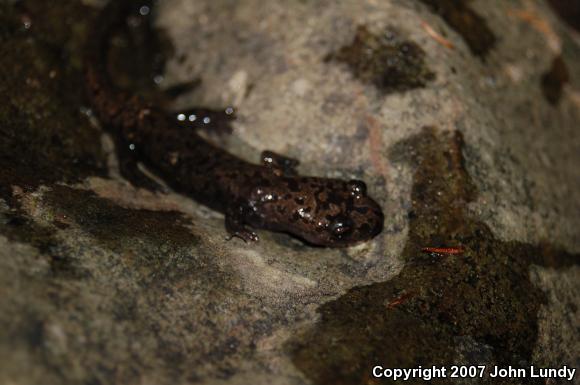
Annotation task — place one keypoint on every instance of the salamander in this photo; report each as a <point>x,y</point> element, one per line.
<point>272,196</point>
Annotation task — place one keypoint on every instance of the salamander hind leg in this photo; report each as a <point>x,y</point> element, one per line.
<point>129,169</point>
<point>235,225</point>
<point>280,164</point>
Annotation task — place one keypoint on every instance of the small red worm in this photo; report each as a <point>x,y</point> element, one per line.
<point>397,301</point>
<point>443,250</point>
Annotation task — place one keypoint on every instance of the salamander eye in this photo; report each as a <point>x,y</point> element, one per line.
<point>341,227</point>
<point>357,188</point>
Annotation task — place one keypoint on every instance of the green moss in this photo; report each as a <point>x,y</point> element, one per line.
<point>45,137</point>
<point>16,226</point>
<point>385,60</point>
<point>144,237</point>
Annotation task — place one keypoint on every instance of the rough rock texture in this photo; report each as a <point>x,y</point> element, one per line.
<point>465,142</point>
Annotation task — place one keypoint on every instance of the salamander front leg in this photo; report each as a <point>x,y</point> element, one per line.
<point>280,164</point>
<point>236,228</point>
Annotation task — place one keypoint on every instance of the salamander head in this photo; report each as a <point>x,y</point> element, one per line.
<point>325,212</point>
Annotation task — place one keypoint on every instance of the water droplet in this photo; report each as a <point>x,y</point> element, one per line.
<point>229,110</point>
<point>192,118</point>
<point>181,117</point>
<point>206,120</point>
<point>86,111</point>
<point>144,10</point>
<point>132,147</point>
<point>26,21</point>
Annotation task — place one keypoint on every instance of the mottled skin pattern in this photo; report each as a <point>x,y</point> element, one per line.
<point>321,211</point>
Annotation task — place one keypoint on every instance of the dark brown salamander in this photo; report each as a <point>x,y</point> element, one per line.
<point>321,211</point>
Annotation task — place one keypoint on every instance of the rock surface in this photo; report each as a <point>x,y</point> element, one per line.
<point>462,117</point>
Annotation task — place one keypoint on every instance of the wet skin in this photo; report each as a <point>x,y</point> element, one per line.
<point>320,211</point>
